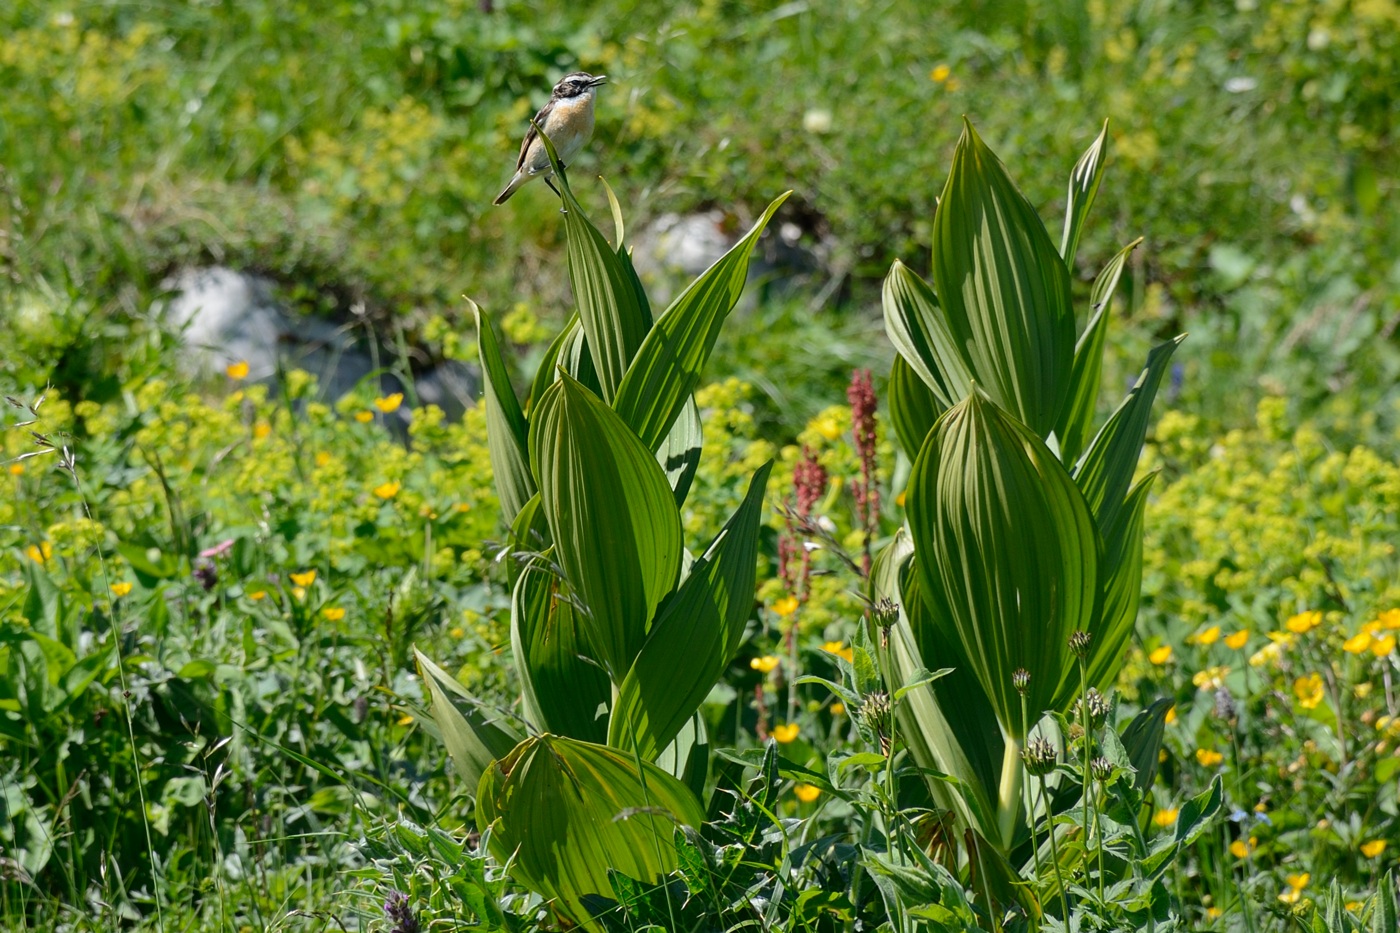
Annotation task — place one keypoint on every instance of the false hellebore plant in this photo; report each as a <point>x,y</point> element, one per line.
<point>618,633</point>
<point>1024,524</point>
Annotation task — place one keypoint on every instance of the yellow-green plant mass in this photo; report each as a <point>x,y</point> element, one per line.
<point>667,631</point>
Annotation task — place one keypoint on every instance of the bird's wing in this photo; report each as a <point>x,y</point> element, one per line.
<point>531,134</point>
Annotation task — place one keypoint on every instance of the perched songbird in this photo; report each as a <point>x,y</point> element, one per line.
<point>568,122</point>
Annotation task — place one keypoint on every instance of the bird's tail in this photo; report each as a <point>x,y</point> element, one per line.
<point>516,181</point>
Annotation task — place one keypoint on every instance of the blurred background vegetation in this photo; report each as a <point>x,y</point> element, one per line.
<point>350,150</point>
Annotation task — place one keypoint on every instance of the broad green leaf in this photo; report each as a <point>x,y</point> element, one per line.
<point>611,515</point>
<point>473,738</point>
<point>507,432</point>
<point>679,453</point>
<point>1008,556</point>
<point>1143,740</point>
<point>1077,419</point>
<point>1106,470</point>
<point>666,370</point>
<point>562,813</point>
<point>554,357</point>
<point>562,691</point>
<point>1083,186</point>
<point>604,287</point>
<point>948,724</point>
<point>1122,582</point>
<point>1383,913</point>
<point>913,407</point>
<point>1003,288</point>
<point>695,635</point>
<point>687,758</point>
<point>915,325</point>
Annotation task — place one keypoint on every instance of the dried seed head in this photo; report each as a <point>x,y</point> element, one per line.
<point>1039,756</point>
<point>1093,709</point>
<point>1079,644</point>
<point>885,612</point>
<point>1101,768</point>
<point>1021,680</point>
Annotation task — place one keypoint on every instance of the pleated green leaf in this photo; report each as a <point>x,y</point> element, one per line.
<point>1003,287</point>
<point>679,453</point>
<point>1083,186</point>
<point>913,407</point>
<point>562,689</point>
<point>695,636</point>
<point>1008,556</point>
<point>1143,741</point>
<point>948,724</point>
<point>614,524</point>
<point>1122,575</point>
<point>473,737</point>
<point>1077,419</point>
<point>611,307</point>
<point>916,327</point>
<point>563,813</point>
<point>555,356</point>
<point>1106,470</point>
<point>667,368</point>
<point>506,429</point>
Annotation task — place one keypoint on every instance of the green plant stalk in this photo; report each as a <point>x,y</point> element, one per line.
<point>1030,817</point>
<point>1054,850</point>
<point>1248,854</point>
<point>1009,793</point>
<point>1087,785</point>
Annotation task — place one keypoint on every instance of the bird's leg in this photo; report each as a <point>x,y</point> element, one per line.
<point>549,180</point>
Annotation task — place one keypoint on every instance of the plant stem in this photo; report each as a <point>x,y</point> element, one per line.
<point>1030,817</point>
<point>1054,850</point>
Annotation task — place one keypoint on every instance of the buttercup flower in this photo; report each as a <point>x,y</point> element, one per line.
<point>1240,849</point>
<point>1373,849</point>
<point>1308,690</point>
<point>1164,817</point>
<point>1237,640</point>
<point>388,490</point>
<point>1208,637</point>
<point>1358,643</point>
<point>333,613</point>
<point>1160,655</point>
<point>786,732</point>
<point>238,370</point>
<point>121,589</point>
<point>940,73</point>
<point>806,792</point>
<point>840,650</point>
<point>364,417</point>
<point>305,578</point>
<point>786,606</point>
<point>1383,646</point>
<point>1208,757</point>
<point>39,553</point>
<point>257,595</point>
<point>1171,716</point>
<point>764,664</point>
<point>389,403</point>
<point>1294,891</point>
<point>1304,622</point>
<point>1212,678</point>
<point>838,708</point>
<point>17,469</point>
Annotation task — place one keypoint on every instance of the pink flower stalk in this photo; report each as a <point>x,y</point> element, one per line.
<point>861,395</point>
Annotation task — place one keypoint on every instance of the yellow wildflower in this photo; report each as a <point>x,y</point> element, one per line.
<point>457,631</point>
<point>259,594</point>
<point>121,588</point>
<point>840,650</point>
<point>1373,849</point>
<point>1212,678</point>
<point>786,606</point>
<point>323,458</point>
<point>786,732</point>
<point>17,469</point>
<point>940,73</point>
<point>1160,655</point>
<point>1383,646</point>
<point>1209,637</point>
<point>1213,913</point>
<point>899,500</point>
<point>389,403</point>
<point>838,708</point>
<point>1358,643</point>
<point>1237,640</point>
<point>1208,757</point>
<point>1269,654</point>
<point>1308,689</point>
<point>388,490</point>
<point>298,593</point>
<point>1304,622</point>
<point>1362,691</point>
<point>238,370</point>
<point>1294,891</point>
<point>806,792</point>
<point>39,553</point>
<point>405,719</point>
<point>1390,619</point>
<point>305,578</point>
<point>1171,716</point>
<point>261,430</point>
<point>1164,817</point>
<point>333,613</point>
<point>765,664</point>
<point>364,417</point>
<point>1240,849</point>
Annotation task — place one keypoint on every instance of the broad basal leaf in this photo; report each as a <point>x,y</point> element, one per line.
<point>1122,583</point>
<point>1003,288</point>
<point>915,325</point>
<point>563,690</point>
<point>615,527</point>
<point>666,370</point>
<point>563,813</point>
<point>913,407</point>
<point>507,433</point>
<point>474,738</point>
<point>695,636</point>
<point>1083,186</point>
<point>1007,552</point>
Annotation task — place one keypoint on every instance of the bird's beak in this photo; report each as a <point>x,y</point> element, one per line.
<point>600,80</point>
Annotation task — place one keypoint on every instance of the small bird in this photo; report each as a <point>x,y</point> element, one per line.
<point>568,122</point>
